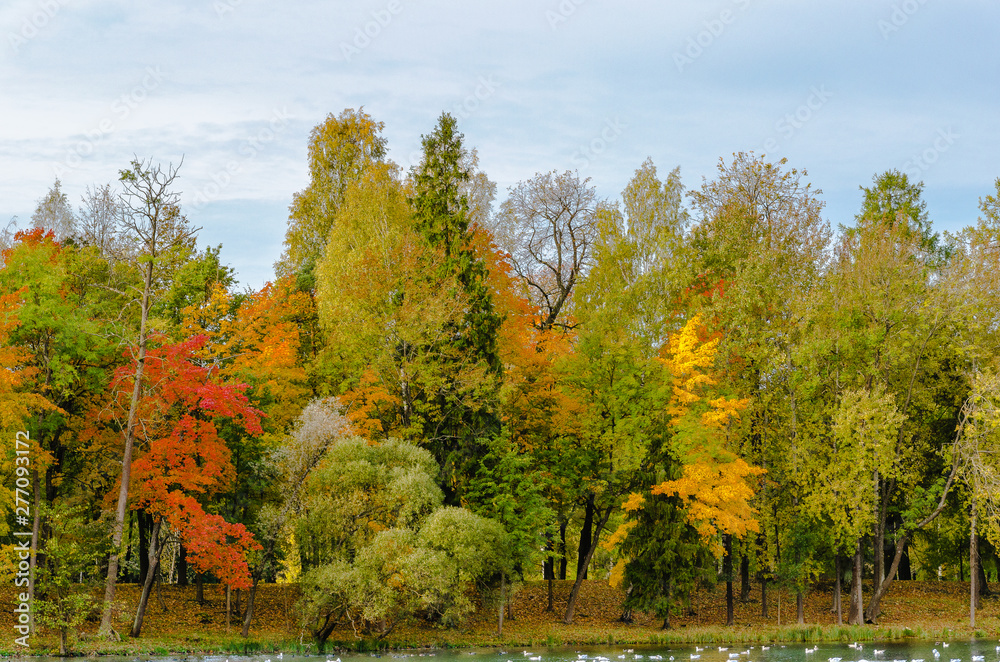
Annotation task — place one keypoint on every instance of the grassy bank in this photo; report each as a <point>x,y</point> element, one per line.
<point>176,623</point>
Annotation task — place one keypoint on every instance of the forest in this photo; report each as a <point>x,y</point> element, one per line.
<point>440,396</point>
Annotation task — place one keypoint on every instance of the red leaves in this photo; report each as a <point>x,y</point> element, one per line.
<point>184,456</point>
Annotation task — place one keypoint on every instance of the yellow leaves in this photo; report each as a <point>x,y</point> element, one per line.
<point>717,496</point>
<point>634,502</point>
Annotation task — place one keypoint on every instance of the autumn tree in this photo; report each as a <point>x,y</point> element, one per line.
<point>152,222</point>
<point>340,150</point>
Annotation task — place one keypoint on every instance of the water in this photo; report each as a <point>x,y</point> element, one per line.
<point>907,651</point>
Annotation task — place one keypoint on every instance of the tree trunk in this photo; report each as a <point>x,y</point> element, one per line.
<point>144,521</point>
<point>552,605</point>
<point>251,601</point>
<point>856,617</point>
<point>562,549</point>
<point>586,539</point>
<point>199,583</point>
<point>873,609</point>
<point>500,607</point>
<point>727,570</point>
<point>548,565</point>
<point>154,562</point>
<point>105,629</point>
<point>182,567</point>
<point>744,578</point>
<point>800,606</point>
<point>571,606</point>
<point>837,588</point>
<point>973,567</point>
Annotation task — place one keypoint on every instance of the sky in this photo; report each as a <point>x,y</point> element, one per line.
<point>843,89</point>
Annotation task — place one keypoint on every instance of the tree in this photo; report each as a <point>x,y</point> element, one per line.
<point>73,546</point>
<point>53,212</point>
<point>548,226</point>
<point>183,458</point>
<point>340,150</point>
<point>153,223</point>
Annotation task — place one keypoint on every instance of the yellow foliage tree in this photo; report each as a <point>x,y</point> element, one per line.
<point>715,483</point>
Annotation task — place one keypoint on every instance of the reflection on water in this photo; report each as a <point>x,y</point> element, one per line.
<point>907,651</point>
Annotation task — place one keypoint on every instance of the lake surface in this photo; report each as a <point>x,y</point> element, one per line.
<point>982,650</point>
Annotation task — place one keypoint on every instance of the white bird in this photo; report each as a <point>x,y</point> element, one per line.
<point>698,649</point>
<point>956,659</point>
<point>833,659</point>
<point>945,645</point>
<point>978,658</point>
<point>879,651</point>
<point>695,657</point>
<point>936,653</point>
<point>811,650</point>
<point>765,648</point>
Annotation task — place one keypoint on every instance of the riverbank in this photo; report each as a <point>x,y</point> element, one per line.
<point>176,623</point>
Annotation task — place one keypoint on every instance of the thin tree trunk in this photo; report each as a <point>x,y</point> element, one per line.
<point>744,577</point>
<point>586,539</point>
<point>837,588</point>
<point>873,609</point>
<point>500,607</point>
<point>105,629</point>
<point>199,594</point>
<point>551,606</point>
<point>562,549</point>
<point>571,607</point>
<point>727,570</point>
<point>973,569</point>
<point>800,606</point>
<point>251,601</point>
<point>154,562</point>
<point>856,617</point>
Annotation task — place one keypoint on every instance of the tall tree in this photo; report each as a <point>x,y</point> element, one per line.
<point>340,150</point>
<point>152,222</point>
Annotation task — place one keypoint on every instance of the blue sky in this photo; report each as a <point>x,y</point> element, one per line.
<point>843,89</point>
